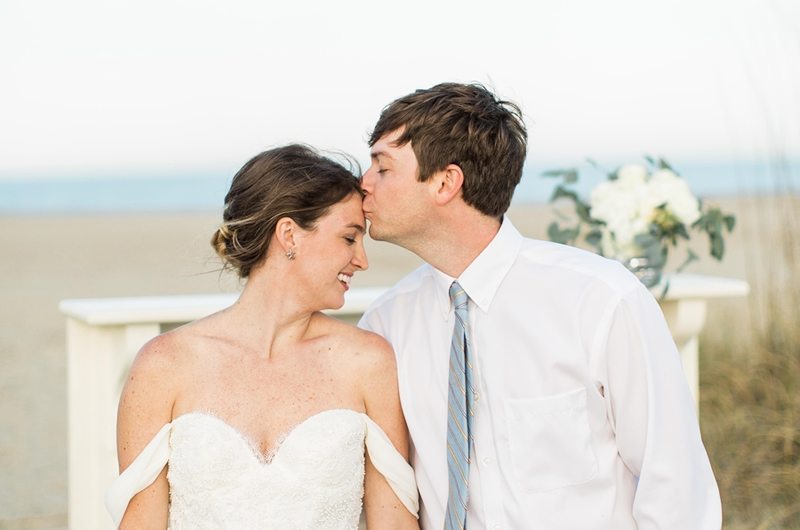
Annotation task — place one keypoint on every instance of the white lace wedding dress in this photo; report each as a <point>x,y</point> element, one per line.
<point>219,480</point>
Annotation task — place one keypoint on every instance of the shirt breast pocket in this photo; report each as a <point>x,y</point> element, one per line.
<point>551,441</point>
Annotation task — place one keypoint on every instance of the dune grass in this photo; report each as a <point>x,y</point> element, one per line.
<point>750,384</point>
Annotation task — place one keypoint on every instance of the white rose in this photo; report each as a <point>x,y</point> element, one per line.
<point>686,208</point>
<point>601,200</point>
<point>660,188</point>
<point>640,225</point>
<point>666,188</point>
<point>623,230</point>
<point>608,201</point>
<point>626,205</point>
<point>665,175</point>
<point>631,176</point>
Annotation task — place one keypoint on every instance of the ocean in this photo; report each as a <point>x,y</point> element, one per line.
<point>206,192</point>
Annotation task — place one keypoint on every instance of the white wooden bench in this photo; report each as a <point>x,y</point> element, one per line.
<point>103,336</point>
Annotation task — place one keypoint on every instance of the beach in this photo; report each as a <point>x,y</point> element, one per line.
<point>46,259</point>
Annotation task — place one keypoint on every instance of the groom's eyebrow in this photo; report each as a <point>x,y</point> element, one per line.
<point>377,154</point>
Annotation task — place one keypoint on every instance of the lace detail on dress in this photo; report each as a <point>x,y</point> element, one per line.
<point>268,457</point>
<point>314,479</point>
<point>263,458</point>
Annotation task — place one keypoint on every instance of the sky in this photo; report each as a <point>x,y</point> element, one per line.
<point>113,87</point>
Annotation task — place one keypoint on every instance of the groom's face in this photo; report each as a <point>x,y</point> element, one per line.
<point>395,200</point>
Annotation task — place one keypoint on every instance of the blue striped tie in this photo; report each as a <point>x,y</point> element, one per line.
<point>459,412</point>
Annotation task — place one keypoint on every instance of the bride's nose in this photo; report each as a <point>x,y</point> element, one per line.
<point>360,256</point>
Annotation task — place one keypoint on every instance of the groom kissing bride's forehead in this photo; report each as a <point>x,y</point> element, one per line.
<point>539,382</point>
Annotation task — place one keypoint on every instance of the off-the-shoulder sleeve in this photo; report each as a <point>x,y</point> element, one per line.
<point>140,474</point>
<point>391,464</point>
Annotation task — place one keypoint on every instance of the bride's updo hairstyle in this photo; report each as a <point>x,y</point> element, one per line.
<point>293,181</point>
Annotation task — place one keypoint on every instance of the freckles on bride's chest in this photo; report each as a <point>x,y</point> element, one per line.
<point>263,398</point>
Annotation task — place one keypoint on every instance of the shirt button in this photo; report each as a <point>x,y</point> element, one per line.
<point>476,396</point>
<point>487,460</point>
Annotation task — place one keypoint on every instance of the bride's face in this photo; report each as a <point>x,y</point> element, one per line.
<point>330,254</point>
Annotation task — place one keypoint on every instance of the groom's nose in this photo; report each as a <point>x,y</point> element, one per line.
<point>367,180</point>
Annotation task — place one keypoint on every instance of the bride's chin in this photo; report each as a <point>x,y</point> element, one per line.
<point>337,305</point>
<point>331,304</point>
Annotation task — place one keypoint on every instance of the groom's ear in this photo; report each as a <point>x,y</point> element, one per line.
<point>448,183</point>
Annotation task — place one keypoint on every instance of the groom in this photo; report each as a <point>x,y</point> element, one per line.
<point>541,386</point>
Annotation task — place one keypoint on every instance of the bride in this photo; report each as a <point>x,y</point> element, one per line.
<point>270,414</point>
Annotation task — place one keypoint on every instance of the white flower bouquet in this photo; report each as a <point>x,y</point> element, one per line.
<point>636,215</point>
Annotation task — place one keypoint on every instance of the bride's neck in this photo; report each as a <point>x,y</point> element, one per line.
<point>270,314</point>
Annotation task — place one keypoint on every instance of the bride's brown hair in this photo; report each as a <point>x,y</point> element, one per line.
<point>292,181</point>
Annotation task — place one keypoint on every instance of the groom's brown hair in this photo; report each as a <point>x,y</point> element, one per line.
<point>466,125</point>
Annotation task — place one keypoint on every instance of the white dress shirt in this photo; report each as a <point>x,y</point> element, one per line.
<point>582,420</point>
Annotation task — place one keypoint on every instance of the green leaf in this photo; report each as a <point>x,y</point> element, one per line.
<point>716,227</point>
<point>570,175</point>
<point>562,216</point>
<point>717,247</point>
<point>554,232</point>
<point>730,222</point>
<point>594,238</point>
<point>663,164</point>
<point>562,192</point>
<point>582,210</point>
<point>565,235</point>
<point>572,234</point>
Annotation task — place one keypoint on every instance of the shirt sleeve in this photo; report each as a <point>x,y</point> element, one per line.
<point>655,422</point>
<point>371,321</point>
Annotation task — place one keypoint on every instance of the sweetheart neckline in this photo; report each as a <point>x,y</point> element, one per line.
<point>265,459</point>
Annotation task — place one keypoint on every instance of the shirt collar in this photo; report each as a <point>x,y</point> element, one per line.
<point>481,279</point>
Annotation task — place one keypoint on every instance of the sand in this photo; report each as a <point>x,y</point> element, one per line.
<point>45,259</point>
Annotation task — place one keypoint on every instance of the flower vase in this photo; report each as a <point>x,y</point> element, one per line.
<point>647,270</point>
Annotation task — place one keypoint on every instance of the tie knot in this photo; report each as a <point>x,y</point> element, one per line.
<point>458,296</point>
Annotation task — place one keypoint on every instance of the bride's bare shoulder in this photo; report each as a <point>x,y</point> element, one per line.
<point>172,353</point>
<point>367,350</point>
